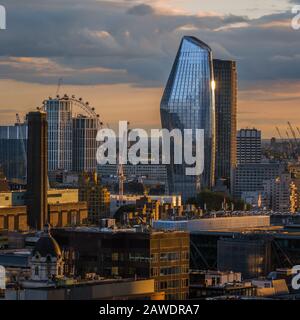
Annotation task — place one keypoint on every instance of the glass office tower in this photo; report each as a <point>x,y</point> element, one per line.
<point>188,103</point>
<point>59,117</point>
<point>13,145</point>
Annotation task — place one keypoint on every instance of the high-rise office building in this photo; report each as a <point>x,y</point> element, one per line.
<point>249,146</point>
<point>59,116</point>
<point>225,74</point>
<point>13,144</point>
<point>249,177</point>
<point>84,144</point>
<point>188,103</point>
<point>37,169</point>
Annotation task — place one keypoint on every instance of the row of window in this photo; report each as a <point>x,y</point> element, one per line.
<point>167,271</point>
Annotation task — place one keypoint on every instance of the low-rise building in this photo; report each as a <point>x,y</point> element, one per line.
<point>40,275</point>
<point>102,289</point>
<point>126,253</point>
<point>117,201</point>
<point>218,223</point>
<point>281,194</point>
<point>13,218</point>
<point>269,288</point>
<point>250,176</point>
<point>209,283</point>
<point>64,209</point>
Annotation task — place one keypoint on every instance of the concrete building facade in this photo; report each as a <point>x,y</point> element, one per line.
<point>249,146</point>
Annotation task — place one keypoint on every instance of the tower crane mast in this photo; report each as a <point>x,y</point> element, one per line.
<point>279,133</point>
<point>59,84</point>
<point>293,132</point>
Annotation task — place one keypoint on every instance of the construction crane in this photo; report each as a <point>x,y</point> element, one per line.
<point>121,179</point>
<point>289,138</point>
<point>298,130</point>
<point>22,142</point>
<point>60,81</point>
<point>279,133</point>
<point>120,171</point>
<point>290,142</point>
<point>293,132</point>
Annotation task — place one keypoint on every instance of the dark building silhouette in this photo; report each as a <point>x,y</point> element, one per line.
<point>37,169</point>
<point>225,74</point>
<point>162,256</point>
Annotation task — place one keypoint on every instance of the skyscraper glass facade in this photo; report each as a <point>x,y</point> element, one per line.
<point>188,103</point>
<point>13,145</point>
<point>59,117</point>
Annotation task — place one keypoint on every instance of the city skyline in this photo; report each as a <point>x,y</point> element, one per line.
<point>149,151</point>
<point>135,62</point>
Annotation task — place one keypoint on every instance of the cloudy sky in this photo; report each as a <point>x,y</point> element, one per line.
<point>117,54</point>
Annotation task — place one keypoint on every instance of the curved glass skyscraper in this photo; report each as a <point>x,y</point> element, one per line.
<point>188,103</point>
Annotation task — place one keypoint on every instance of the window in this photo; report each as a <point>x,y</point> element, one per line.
<point>154,272</point>
<point>115,271</point>
<point>115,256</point>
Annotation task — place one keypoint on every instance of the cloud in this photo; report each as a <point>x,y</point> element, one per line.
<point>113,42</point>
<point>235,19</point>
<point>141,10</point>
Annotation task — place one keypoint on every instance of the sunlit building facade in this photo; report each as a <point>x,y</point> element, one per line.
<point>188,103</point>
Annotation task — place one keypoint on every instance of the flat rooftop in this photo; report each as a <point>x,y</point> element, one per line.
<point>84,283</point>
<point>275,231</point>
<point>116,231</point>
